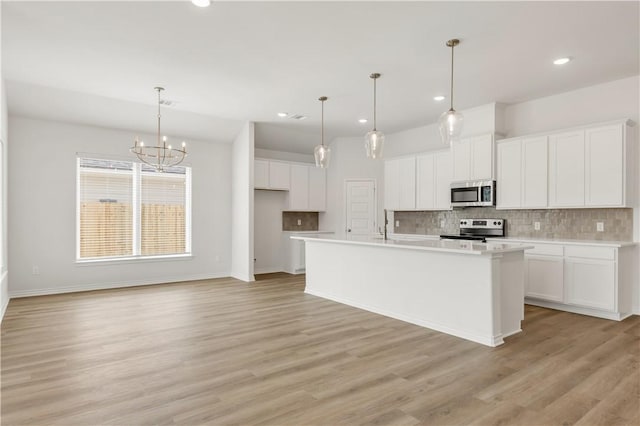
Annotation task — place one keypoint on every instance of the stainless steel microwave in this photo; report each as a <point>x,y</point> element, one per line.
<point>473,193</point>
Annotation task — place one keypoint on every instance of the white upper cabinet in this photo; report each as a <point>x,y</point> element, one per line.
<point>400,184</point>
<point>308,188</point>
<point>604,166</point>
<point>566,169</point>
<point>473,158</point>
<point>426,181</point>
<point>509,183</point>
<point>534,172</point>
<point>433,181</point>
<point>279,175</point>
<point>522,173</point>
<point>317,189</point>
<point>299,188</point>
<point>261,174</point>
<point>271,175</point>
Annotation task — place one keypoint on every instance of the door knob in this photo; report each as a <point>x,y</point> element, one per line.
<point>348,229</point>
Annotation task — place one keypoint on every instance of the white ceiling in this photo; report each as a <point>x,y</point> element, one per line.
<point>238,61</point>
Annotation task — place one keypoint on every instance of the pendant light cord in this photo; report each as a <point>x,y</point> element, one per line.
<point>322,126</point>
<point>451,96</point>
<point>374,104</point>
<point>159,115</point>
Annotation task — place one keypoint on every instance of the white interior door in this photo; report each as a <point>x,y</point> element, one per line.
<point>361,207</point>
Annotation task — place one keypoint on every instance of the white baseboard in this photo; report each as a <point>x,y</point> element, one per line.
<point>268,270</point>
<point>5,303</point>
<point>111,285</point>
<point>577,309</point>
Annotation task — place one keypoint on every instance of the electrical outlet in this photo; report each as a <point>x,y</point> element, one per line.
<point>299,222</point>
<point>536,226</point>
<point>442,223</point>
<point>397,223</point>
<point>35,270</point>
<point>600,226</point>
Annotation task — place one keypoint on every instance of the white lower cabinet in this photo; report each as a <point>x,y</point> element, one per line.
<point>587,279</point>
<point>544,277</point>
<point>591,283</point>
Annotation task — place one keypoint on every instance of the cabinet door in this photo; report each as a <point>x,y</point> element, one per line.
<point>317,189</point>
<point>534,172</point>
<point>591,283</point>
<point>566,169</point>
<point>544,278</point>
<point>299,188</point>
<point>444,173</point>
<point>407,182</point>
<point>425,181</point>
<point>481,157</point>
<point>261,174</point>
<point>279,175</point>
<point>461,151</point>
<point>391,183</point>
<point>604,166</point>
<point>509,174</point>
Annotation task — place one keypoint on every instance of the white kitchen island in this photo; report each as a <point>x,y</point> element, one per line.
<point>466,289</point>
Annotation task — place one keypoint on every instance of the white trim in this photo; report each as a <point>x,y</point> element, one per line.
<point>112,285</point>
<point>577,309</point>
<point>248,278</point>
<point>268,270</point>
<point>132,259</point>
<point>4,306</point>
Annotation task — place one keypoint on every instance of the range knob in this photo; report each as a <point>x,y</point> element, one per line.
<point>499,222</point>
<point>495,223</point>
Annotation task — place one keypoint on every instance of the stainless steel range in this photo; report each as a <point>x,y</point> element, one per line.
<point>479,229</point>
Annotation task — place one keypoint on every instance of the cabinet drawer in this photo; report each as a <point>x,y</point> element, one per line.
<point>547,250</point>
<point>605,253</point>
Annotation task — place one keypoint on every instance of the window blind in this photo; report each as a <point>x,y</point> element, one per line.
<point>126,209</point>
<point>106,208</point>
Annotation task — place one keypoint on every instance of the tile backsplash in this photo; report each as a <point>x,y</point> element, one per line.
<point>308,221</point>
<point>579,224</point>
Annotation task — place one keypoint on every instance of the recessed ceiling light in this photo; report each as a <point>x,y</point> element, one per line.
<point>438,98</point>
<point>282,114</point>
<point>362,120</point>
<point>201,3</point>
<point>561,61</point>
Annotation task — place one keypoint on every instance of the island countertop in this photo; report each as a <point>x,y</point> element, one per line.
<point>448,246</point>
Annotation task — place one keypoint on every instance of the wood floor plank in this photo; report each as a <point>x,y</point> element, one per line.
<point>227,352</point>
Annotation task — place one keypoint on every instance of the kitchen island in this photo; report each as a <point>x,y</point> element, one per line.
<point>467,289</point>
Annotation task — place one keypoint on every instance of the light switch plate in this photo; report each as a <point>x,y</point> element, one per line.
<point>299,222</point>
<point>536,226</point>
<point>600,226</point>
<point>442,223</point>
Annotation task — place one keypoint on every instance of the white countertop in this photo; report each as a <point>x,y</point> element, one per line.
<point>449,246</point>
<point>530,240</point>
<point>308,232</point>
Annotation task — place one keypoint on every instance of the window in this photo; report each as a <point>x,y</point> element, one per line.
<point>128,210</point>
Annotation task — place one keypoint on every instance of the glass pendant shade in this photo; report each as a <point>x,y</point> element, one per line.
<point>450,126</point>
<point>322,155</point>
<point>374,144</point>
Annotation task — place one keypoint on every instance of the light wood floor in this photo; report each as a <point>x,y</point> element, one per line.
<point>225,352</point>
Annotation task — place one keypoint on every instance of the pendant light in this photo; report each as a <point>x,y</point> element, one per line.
<point>161,155</point>
<point>451,121</point>
<point>374,140</point>
<point>321,152</point>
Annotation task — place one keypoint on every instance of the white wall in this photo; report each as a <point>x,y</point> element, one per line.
<point>268,207</point>
<point>604,102</point>
<point>242,153</point>
<point>4,122</point>
<point>284,156</point>
<point>349,161</point>
<point>42,211</point>
<point>478,120</point>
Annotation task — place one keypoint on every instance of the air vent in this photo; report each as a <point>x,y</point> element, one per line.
<point>297,116</point>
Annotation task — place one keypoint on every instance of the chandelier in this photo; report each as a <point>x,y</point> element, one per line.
<point>451,121</point>
<point>374,140</point>
<point>160,155</point>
